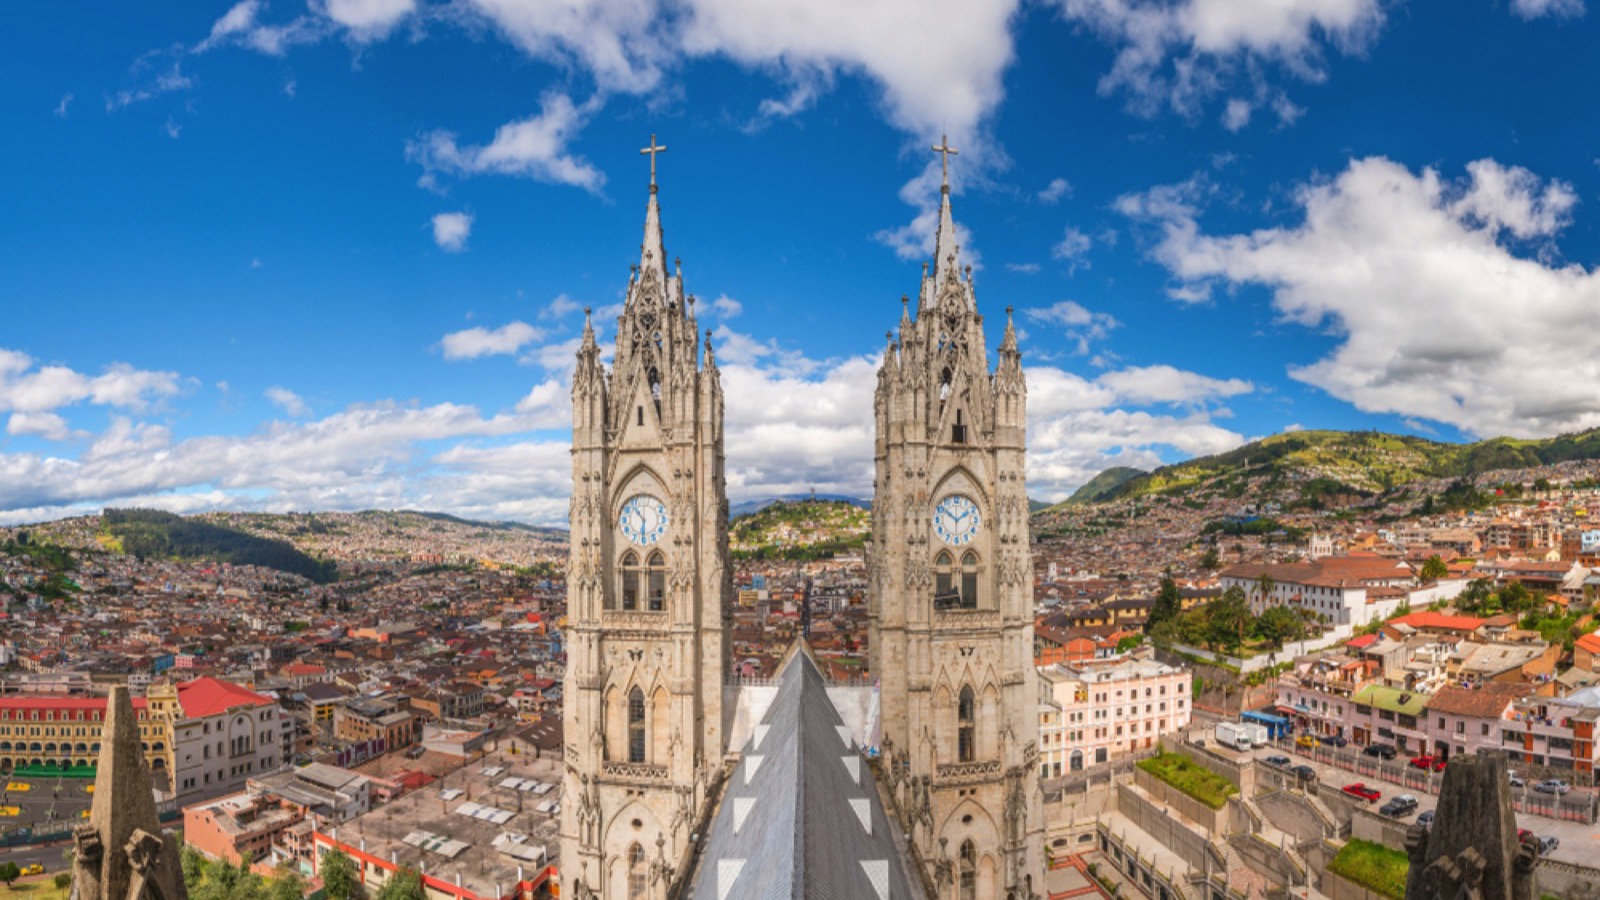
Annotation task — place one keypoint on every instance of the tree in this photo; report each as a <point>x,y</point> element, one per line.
<point>62,881</point>
<point>1542,485</point>
<point>1169,602</point>
<point>404,884</point>
<point>1229,619</point>
<point>1278,624</point>
<point>1474,595</point>
<point>1434,569</point>
<point>1515,597</point>
<point>194,867</point>
<point>286,884</point>
<point>338,873</point>
<point>9,873</point>
<point>1210,560</point>
<point>1265,585</point>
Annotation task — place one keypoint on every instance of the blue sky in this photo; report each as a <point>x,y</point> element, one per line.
<point>333,256</point>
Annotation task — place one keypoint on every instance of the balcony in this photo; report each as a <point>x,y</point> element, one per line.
<point>637,772</point>
<point>967,772</point>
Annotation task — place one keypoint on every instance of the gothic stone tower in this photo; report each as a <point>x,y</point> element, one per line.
<point>648,589</point>
<point>951,592</point>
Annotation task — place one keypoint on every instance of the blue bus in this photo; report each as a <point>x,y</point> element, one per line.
<point>1277,726</point>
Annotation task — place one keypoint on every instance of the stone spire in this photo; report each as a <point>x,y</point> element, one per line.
<point>1472,850</point>
<point>121,854</point>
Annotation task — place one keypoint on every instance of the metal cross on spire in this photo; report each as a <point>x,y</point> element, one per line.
<point>653,149</point>
<point>944,148</point>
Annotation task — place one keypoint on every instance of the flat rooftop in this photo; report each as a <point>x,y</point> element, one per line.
<point>475,826</point>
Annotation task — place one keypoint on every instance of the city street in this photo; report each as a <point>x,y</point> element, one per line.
<point>1580,841</point>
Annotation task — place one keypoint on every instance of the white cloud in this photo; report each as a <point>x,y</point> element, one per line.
<point>1444,295</point>
<point>48,425</point>
<point>1236,115</point>
<point>61,108</point>
<point>288,401</point>
<point>1177,54</point>
<point>451,229</point>
<point>1080,325</point>
<point>1145,385</point>
<point>1023,268</point>
<point>472,343</point>
<point>172,128</point>
<point>367,19</point>
<point>26,389</point>
<point>165,82</point>
<point>562,305</point>
<point>726,307</point>
<point>1073,248</point>
<point>1560,9</point>
<point>1055,190</point>
<point>535,147</point>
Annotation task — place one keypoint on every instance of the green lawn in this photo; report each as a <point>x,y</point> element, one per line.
<point>1191,778</point>
<point>1373,866</point>
<point>36,889</point>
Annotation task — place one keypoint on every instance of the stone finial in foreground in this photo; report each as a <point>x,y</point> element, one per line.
<point>1472,852</point>
<point>121,854</point>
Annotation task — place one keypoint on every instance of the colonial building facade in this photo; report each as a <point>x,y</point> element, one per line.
<point>648,588</point>
<point>951,637</point>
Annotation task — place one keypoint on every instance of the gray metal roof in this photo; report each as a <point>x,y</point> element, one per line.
<point>800,815</point>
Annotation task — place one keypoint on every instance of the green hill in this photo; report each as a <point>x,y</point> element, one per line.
<point>1330,464</point>
<point>799,530</point>
<point>1104,485</point>
<point>152,533</point>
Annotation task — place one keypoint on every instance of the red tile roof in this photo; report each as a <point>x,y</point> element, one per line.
<point>1362,642</point>
<point>210,696</point>
<point>60,702</point>
<point>1589,642</point>
<point>1440,621</point>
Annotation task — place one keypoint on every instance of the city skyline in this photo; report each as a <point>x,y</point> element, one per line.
<point>285,257</point>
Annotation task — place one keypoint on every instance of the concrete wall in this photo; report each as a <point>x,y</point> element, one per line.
<point>1369,826</point>
<point>1207,818</point>
<point>1568,881</point>
<point>1240,772</point>
<point>1337,887</point>
<point>1156,822</point>
<point>1269,859</point>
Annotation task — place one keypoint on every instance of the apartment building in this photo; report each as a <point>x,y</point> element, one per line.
<point>1092,713</point>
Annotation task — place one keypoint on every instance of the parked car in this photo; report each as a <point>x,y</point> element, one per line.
<point>1515,779</point>
<point>1552,786</point>
<point>1548,844</point>
<point>1399,807</point>
<point>1306,741</point>
<point>1306,773</point>
<point>34,869</point>
<point>1426,820</point>
<point>1362,791</point>
<point>1382,751</point>
<point>1333,740</point>
<point>1277,761</point>
<point>1430,763</point>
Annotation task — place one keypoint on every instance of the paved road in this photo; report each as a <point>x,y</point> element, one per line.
<point>1580,842</point>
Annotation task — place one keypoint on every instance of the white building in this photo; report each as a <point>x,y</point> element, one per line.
<point>221,735</point>
<point>1347,590</point>
<point>1092,713</point>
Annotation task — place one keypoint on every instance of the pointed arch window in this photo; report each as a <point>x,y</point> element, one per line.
<point>636,873</point>
<point>968,865</point>
<point>631,575</point>
<point>946,594</point>
<point>656,578</point>
<point>969,580</point>
<point>966,725</point>
<point>945,378</point>
<point>636,725</point>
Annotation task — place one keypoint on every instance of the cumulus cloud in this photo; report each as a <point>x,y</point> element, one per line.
<point>1559,9</point>
<point>1445,295</point>
<point>535,147</point>
<point>24,388</point>
<point>1178,54</point>
<point>1073,249</point>
<point>726,307</point>
<point>367,19</point>
<point>48,425</point>
<point>1055,190</point>
<point>472,343</point>
<point>1080,326</point>
<point>288,401</point>
<point>451,229</point>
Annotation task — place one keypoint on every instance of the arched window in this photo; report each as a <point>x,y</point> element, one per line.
<point>969,580</point>
<point>1075,762</point>
<point>636,873</point>
<point>630,580</point>
<point>636,725</point>
<point>968,865</point>
<point>945,594</point>
<point>657,571</point>
<point>965,726</point>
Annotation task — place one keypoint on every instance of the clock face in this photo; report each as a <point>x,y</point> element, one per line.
<point>956,519</point>
<point>643,519</point>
